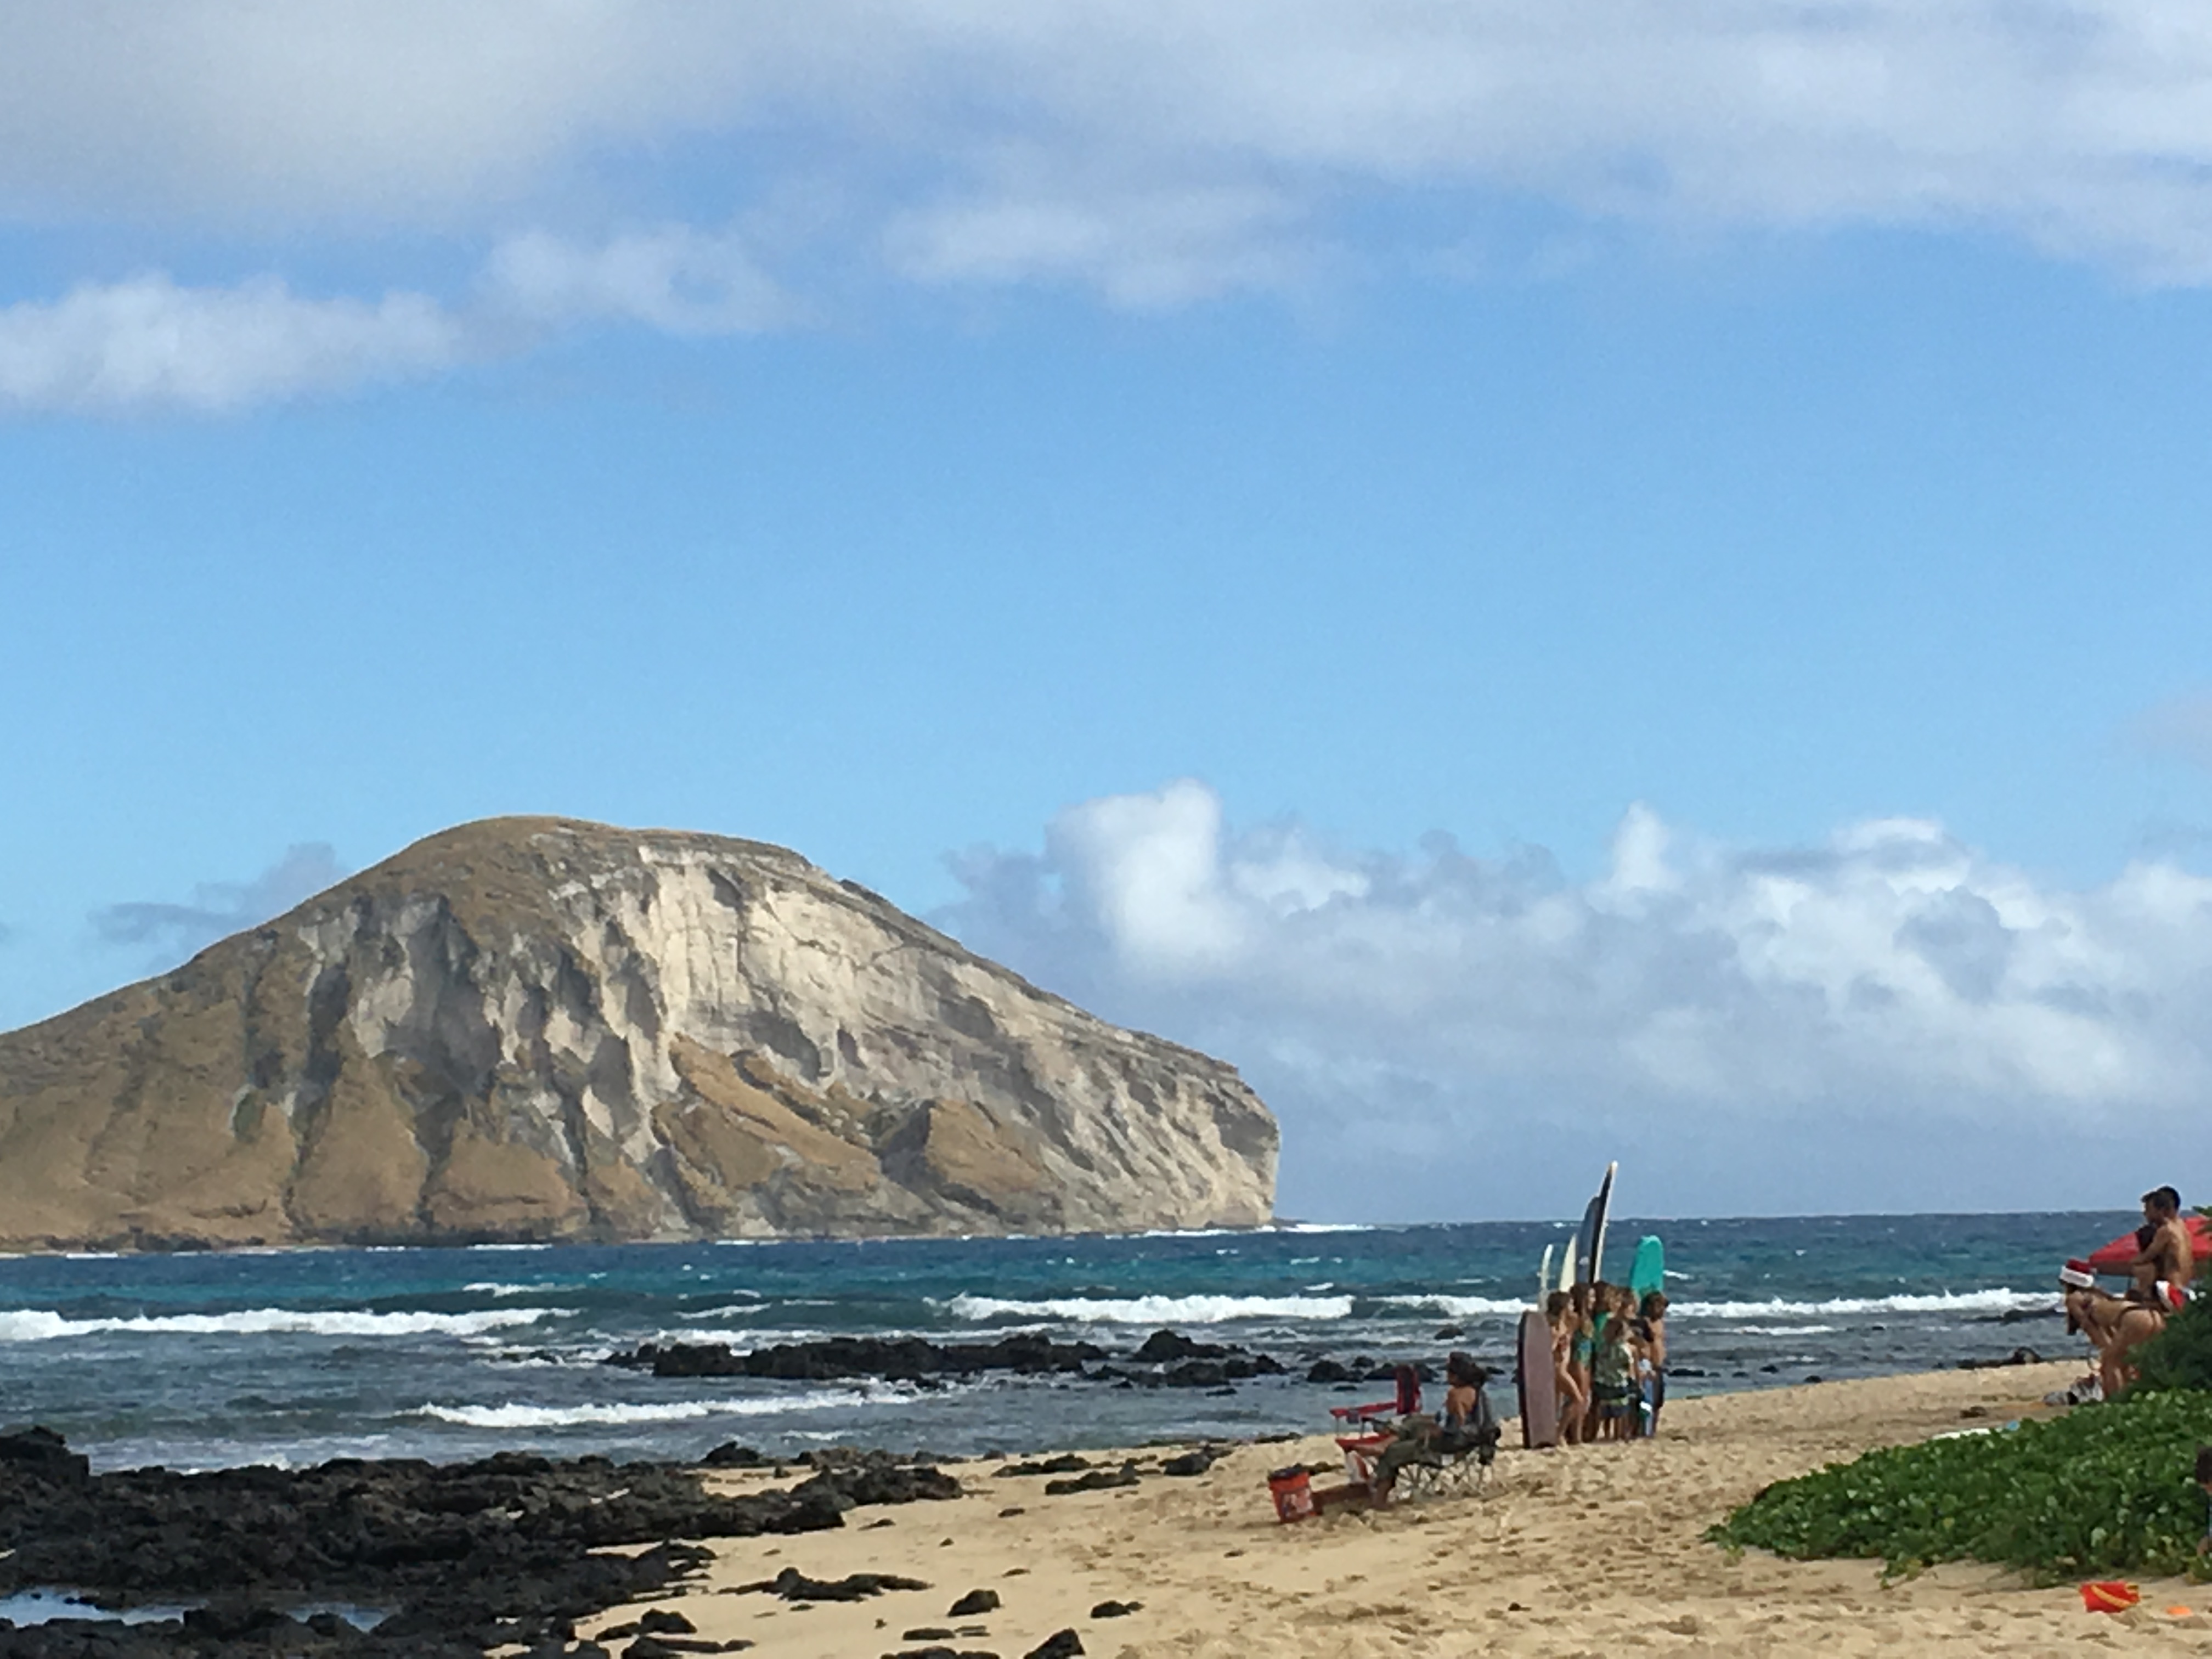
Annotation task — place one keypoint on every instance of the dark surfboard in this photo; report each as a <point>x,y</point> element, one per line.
<point>1592,1237</point>
<point>1540,1384</point>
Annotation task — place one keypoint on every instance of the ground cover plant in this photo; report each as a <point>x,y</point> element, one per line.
<point>2104,1489</point>
<point>2181,1356</point>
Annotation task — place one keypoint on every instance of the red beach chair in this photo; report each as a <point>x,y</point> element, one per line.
<point>1367,1430</point>
<point>1365,1417</point>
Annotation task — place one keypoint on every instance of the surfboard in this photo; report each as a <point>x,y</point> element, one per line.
<point>1544,1276</point>
<point>1649,1273</point>
<point>1592,1236</point>
<point>1567,1279</point>
<point>1538,1385</point>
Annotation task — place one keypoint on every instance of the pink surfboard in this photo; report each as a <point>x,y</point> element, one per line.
<point>1540,1384</point>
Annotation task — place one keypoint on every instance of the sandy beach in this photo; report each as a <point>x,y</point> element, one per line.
<point>1586,1550</point>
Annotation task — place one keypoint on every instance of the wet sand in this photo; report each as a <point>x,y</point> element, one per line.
<point>1586,1550</point>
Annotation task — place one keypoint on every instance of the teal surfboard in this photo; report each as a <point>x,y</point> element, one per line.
<point>1649,1273</point>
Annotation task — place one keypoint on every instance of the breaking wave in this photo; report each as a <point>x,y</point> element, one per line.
<point>1459,1307</point>
<point>670,1411</point>
<point>37,1325</point>
<point>1964,1302</point>
<point>1154,1310</point>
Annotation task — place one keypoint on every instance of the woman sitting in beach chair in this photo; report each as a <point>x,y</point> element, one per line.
<point>1424,1455</point>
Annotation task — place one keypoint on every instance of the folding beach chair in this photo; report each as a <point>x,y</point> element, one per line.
<point>1365,1419</point>
<point>1455,1463</point>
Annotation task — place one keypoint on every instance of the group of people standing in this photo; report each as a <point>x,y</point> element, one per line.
<point>2158,1279</point>
<point>1609,1354</point>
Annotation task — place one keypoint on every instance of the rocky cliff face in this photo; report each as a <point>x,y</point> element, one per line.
<point>535,1028</point>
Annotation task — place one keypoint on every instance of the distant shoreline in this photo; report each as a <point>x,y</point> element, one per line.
<point>1620,1225</point>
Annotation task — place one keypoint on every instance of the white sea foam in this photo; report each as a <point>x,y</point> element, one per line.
<point>669,1411</point>
<point>486,1288</point>
<point>1155,1309</point>
<point>38,1325</point>
<point>1964,1302</point>
<point>1459,1307</point>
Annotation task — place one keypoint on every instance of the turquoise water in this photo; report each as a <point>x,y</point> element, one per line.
<point>202,1360</point>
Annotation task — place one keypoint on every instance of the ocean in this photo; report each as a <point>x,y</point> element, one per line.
<point>197,1361</point>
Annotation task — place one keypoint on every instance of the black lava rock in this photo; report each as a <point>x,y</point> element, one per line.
<point>1064,1464</point>
<point>1167,1347</point>
<point>1097,1481</point>
<point>793,1585</point>
<point>2017,1356</point>
<point>1195,1461</point>
<point>508,1551</point>
<point>899,1359</point>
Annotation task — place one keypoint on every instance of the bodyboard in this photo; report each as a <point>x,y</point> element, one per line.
<point>1538,1385</point>
<point>1649,1273</point>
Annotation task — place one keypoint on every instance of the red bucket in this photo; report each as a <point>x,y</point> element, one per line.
<point>1292,1490</point>
<point>2109,1596</point>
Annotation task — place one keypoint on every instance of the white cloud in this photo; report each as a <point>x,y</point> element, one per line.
<point>149,343</point>
<point>674,279</point>
<point>221,908</point>
<point>1148,152</point>
<point>1892,1018</point>
<point>1154,148</point>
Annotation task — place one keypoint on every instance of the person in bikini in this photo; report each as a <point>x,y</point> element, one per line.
<point>2158,1279</point>
<point>1582,1349</point>
<point>1573,1398</point>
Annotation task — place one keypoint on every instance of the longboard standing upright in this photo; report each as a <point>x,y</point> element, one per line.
<point>1592,1237</point>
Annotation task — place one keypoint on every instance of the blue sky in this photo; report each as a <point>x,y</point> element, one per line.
<point>1392,470</point>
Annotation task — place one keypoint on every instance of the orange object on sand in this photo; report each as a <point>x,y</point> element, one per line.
<point>2109,1596</point>
<point>2178,1611</point>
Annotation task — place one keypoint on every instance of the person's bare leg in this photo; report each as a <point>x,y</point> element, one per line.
<point>2097,1316</point>
<point>2136,1327</point>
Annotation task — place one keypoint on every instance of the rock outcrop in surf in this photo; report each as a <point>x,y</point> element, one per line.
<point>535,1028</point>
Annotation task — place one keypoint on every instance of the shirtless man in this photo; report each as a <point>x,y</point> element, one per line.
<point>2163,1267</point>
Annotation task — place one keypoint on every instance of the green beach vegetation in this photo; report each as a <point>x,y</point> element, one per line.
<point>2108,1488</point>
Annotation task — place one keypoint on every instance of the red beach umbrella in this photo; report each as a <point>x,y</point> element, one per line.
<point>2114,1257</point>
